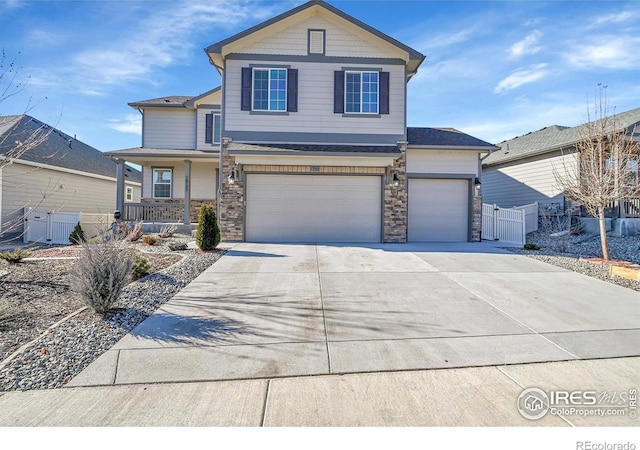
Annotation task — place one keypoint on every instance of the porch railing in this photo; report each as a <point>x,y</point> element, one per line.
<point>153,212</point>
<point>631,207</point>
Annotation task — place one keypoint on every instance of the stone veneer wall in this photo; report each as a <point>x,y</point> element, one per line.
<point>230,201</point>
<point>476,219</point>
<point>395,202</point>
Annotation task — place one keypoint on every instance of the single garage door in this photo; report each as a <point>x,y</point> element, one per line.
<point>313,208</point>
<point>438,210</point>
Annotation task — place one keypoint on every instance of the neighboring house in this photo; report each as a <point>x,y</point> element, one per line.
<point>522,171</point>
<point>58,174</point>
<point>306,141</point>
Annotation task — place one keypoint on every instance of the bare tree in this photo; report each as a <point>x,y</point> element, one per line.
<point>15,144</point>
<point>603,172</point>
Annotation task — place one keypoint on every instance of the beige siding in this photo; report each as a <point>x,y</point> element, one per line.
<point>202,130</point>
<point>169,128</point>
<point>203,178</point>
<point>339,41</point>
<point>23,186</point>
<point>442,161</point>
<point>315,103</point>
<point>137,193</point>
<point>526,181</point>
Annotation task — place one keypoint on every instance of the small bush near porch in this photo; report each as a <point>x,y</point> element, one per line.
<point>207,233</point>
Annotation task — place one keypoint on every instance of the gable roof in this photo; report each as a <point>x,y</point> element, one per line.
<point>58,149</point>
<point>552,138</point>
<point>413,54</point>
<point>445,137</point>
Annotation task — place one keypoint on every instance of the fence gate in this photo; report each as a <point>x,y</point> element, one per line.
<point>503,224</point>
<point>49,227</point>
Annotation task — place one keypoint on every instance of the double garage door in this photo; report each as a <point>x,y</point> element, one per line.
<point>313,208</point>
<point>335,208</point>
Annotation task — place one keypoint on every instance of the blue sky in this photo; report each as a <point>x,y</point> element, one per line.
<point>494,70</point>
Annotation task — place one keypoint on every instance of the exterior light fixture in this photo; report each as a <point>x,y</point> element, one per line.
<point>232,176</point>
<point>396,179</point>
<point>477,185</point>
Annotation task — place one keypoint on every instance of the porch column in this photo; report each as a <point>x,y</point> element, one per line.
<point>120,185</point>
<point>187,192</point>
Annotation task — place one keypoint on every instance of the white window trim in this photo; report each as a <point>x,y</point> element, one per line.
<point>128,196</point>
<point>286,84</point>
<point>361,72</point>
<point>153,182</point>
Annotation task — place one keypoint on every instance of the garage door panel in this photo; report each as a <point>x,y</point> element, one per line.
<point>438,210</point>
<point>313,208</point>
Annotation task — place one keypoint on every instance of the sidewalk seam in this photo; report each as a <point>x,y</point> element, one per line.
<point>324,319</point>
<point>115,372</point>
<point>264,406</point>
<point>522,386</point>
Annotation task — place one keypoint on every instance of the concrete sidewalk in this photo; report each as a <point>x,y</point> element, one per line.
<point>480,396</point>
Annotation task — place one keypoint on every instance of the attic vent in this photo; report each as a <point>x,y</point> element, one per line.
<point>316,42</point>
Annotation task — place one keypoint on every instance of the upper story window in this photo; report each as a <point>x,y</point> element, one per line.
<point>269,89</point>
<point>162,179</point>
<point>213,129</point>
<point>361,92</point>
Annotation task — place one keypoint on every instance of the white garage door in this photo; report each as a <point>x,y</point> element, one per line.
<point>313,208</point>
<point>438,210</point>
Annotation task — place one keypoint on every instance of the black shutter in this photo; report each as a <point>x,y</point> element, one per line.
<point>292,90</point>
<point>208,133</point>
<point>338,91</point>
<point>245,104</point>
<point>384,93</point>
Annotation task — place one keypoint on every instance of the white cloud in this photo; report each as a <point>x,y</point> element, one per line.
<point>606,52</point>
<point>520,77</point>
<point>159,40</point>
<point>619,17</point>
<point>527,46</point>
<point>131,123</point>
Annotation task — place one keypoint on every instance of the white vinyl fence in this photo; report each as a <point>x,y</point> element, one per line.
<point>530,216</point>
<point>503,224</point>
<point>49,227</point>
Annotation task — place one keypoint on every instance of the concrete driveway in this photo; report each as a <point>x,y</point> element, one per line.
<point>275,310</point>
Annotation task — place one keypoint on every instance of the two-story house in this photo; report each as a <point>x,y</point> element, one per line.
<point>307,141</point>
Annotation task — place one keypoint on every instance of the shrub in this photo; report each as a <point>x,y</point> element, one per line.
<point>95,240</point>
<point>77,235</point>
<point>168,231</point>
<point>531,246</point>
<point>15,256</point>
<point>207,233</point>
<point>101,272</point>
<point>149,240</point>
<point>140,267</point>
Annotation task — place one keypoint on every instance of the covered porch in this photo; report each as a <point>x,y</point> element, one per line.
<point>175,183</point>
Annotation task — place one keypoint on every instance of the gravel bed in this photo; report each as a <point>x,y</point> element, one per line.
<point>572,253</point>
<point>64,351</point>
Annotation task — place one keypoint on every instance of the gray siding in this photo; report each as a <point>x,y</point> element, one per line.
<point>22,186</point>
<point>525,181</point>
<point>442,161</point>
<point>315,105</point>
<point>201,129</point>
<point>169,128</point>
